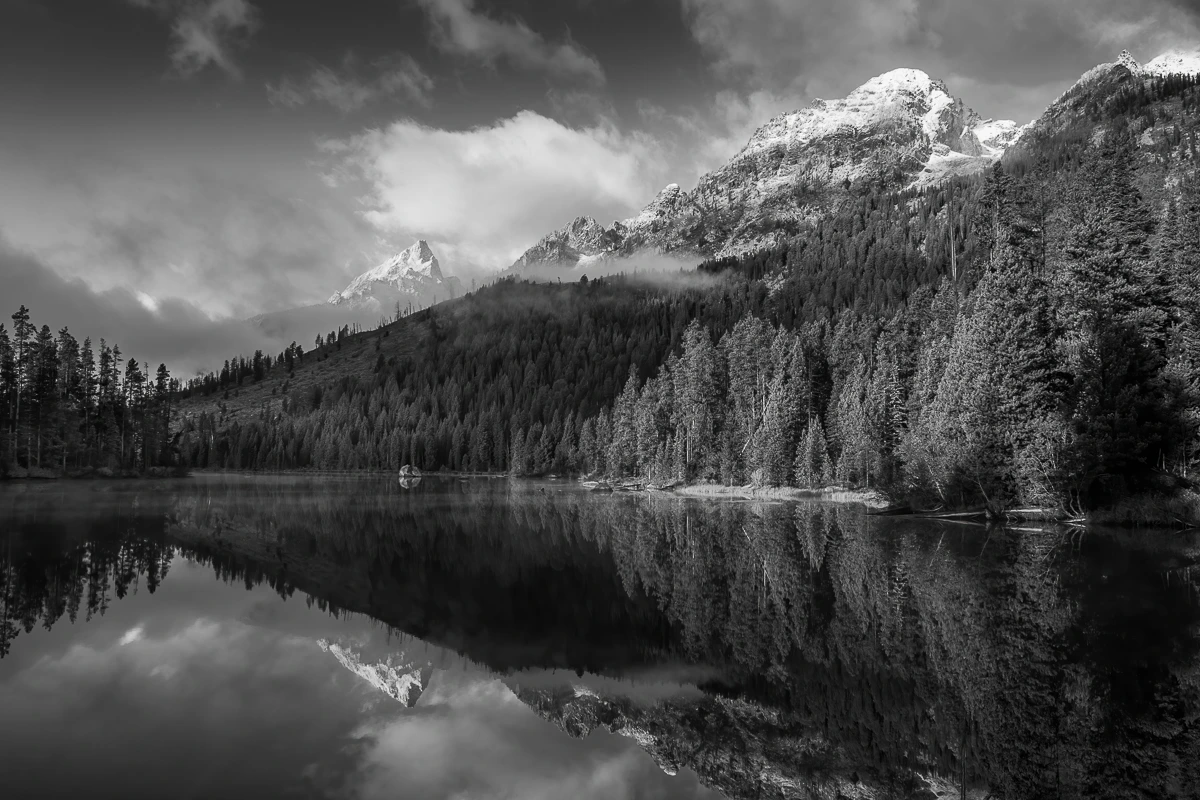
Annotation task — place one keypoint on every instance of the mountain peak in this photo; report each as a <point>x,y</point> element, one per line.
<point>897,130</point>
<point>1126,59</point>
<point>414,272</point>
<point>904,77</point>
<point>416,260</point>
<point>421,250</point>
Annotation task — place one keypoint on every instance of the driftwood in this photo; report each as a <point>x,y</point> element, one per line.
<point>982,515</point>
<point>977,514</point>
<point>900,511</point>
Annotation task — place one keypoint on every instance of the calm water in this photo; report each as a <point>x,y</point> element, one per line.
<point>236,637</point>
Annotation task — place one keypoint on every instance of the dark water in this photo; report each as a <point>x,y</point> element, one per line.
<point>356,639</point>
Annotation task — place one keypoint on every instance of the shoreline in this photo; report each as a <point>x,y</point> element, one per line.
<point>40,475</point>
<point>832,494</point>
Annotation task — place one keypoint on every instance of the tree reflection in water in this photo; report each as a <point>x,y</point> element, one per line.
<point>843,653</point>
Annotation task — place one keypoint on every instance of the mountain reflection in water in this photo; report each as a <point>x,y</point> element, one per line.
<point>773,650</point>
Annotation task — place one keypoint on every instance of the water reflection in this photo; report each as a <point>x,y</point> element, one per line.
<point>773,649</point>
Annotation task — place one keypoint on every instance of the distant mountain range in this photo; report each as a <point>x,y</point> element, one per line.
<point>407,282</point>
<point>900,130</point>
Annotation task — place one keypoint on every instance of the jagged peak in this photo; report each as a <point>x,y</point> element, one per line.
<point>421,249</point>
<point>399,679</point>
<point>1126,59</point>
<point>417,259</point>
<point>415,266</point>
<point>583,224</point>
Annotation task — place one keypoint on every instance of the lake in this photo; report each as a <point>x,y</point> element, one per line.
<point>312,637</point>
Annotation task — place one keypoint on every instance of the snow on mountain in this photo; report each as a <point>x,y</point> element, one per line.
<point>413,276</point>
<point>403,682</point>
<point>900,129</point>
<point>1175,62</point>
<point>995,135</point>
<point>565,246</point>
<point>1075,109</point>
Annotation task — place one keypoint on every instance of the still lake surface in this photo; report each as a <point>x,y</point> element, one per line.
<point>355,638</point>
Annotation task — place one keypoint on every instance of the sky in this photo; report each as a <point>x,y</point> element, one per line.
<point>169,166</point>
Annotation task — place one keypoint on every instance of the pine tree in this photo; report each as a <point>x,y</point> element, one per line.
<point>22,335</point>
<point>8,385</point>
<point>697,394</point>
<point>812,468</point>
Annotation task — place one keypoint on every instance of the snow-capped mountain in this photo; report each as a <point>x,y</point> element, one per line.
<point>1076,107</point>
<point>411,277</point>
<point>402,681</point>
<point>409,281</point>
<point>1174,62</point>
<point>566,246</point>
<point>900,129</point>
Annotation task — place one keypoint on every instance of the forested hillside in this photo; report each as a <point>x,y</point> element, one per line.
<point>1030,337</point>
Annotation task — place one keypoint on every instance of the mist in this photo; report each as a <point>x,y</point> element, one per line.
<point>171,332</point>
<point>657,269</point>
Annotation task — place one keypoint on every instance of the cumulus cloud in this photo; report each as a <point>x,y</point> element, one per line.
<point>205,32</point>
<point>460,28</point>
<point>347,90</point>
<point>1005,53</point>
<point>488,193</point>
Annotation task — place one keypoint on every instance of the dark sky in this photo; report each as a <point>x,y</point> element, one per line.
<point>221,158</point>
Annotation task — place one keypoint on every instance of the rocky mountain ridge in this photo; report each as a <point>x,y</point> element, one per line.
<point>1078,105</point>
<point>900,130</point>
<point>412,277</point>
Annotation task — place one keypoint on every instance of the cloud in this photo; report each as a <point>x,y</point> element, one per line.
<point>702,139</point>
<point>461,29</point>
<point>477,739</point>
<point>488,193</point>
<point>1005,53</point>
<point>204,689</point>
<point>176,333</point>
<point>235,237</point>
<point>347,91</point>
<point>205,32</point>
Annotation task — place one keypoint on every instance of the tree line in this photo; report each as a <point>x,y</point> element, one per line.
<point>1066,375</point>
<point>67,406</point>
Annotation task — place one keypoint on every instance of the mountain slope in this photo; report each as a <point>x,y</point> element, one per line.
<point>1103,99</point>
<point>898,130</point>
